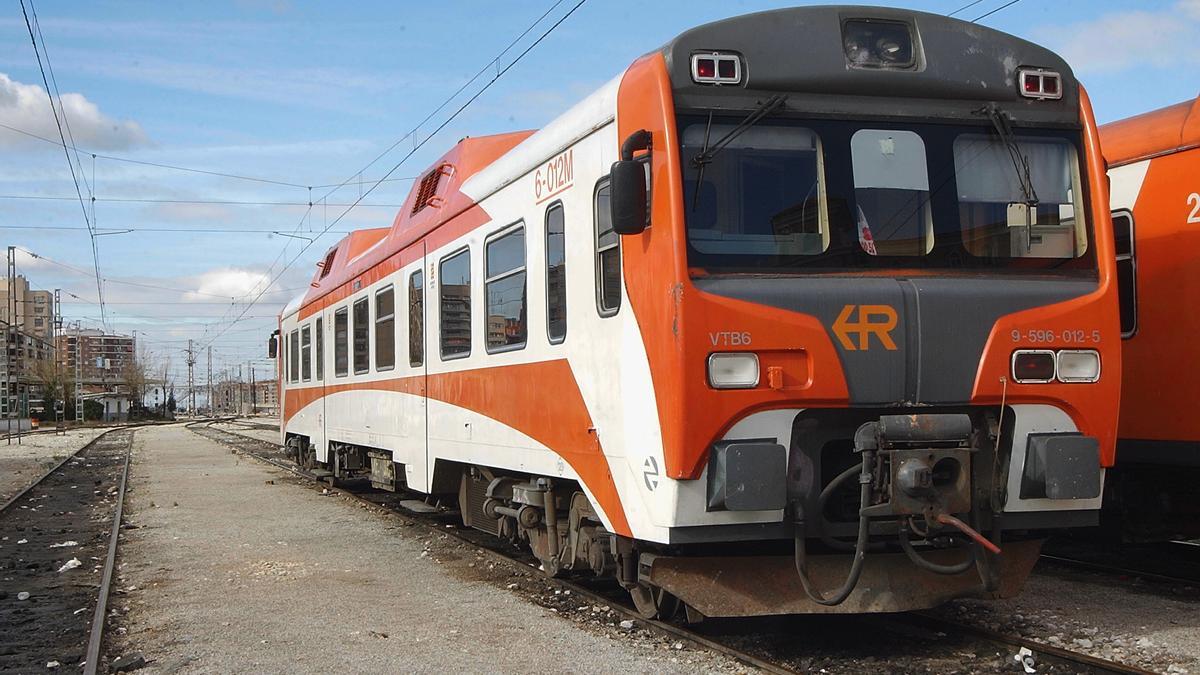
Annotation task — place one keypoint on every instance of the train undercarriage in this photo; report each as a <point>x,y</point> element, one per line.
<point>891,521</point>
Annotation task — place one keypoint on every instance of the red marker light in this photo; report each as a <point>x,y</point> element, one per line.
<point>728,69</point>
<point>706,68</point>
<point>1033,83</point>
<point>1033,366</point>
<point>1050,85</point>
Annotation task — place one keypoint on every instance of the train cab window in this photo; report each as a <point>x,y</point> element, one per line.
<point>341,343</point>
<point>608,255</point>
<point>362,336</point>
<point>454,308</point>
<point>1021,198</point>
<point>1126,271</point>
<point>504,262</point>
<point>306,353</point>
<point>319,347</point>
<point>385,329</point>
<point>556,273</point>
<point>294,356</point>
<point>891,192</point>
<point>416,319</point>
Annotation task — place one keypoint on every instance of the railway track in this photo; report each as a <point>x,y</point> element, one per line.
<point>767,644</point>
<point>58,554</point>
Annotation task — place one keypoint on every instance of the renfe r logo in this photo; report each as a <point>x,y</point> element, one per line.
<point>866,327</point>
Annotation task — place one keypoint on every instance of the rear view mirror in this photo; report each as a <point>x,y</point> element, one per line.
<point>628,202</point>
<point>273,345</point>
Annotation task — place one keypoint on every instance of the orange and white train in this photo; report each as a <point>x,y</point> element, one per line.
<point>1154,167</point>
<point>811,310</point>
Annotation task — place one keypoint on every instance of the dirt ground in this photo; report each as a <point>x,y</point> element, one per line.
<point>228,566</point>
<point>21,464</point>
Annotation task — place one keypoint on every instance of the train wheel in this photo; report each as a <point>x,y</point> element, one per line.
<point>653,602</point>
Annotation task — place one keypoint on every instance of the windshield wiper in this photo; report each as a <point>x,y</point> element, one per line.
<point>1003,125</point>
<point>707,153</point>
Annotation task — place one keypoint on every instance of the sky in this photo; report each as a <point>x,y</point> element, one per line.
<point>304,95</point>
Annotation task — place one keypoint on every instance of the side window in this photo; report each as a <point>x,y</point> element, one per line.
<point>556,273</point>
<point>1126,271</point>
<point>416,319</point>
<point>341,343</point>
<point>362,336</point>
<point>608,255</point>
<point>294,356</point>
<point>306,353</point>
<point>455,306</point>
<point>385,329</point>
<point>504,262</point>
<point>319,337</point>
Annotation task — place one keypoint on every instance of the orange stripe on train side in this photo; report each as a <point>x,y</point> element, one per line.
<point>541,400</point>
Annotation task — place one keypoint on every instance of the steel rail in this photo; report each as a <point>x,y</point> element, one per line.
<point>661,627</point>
<point>1094,664</point>
<point>1117,570</point>
<point>96,637</point>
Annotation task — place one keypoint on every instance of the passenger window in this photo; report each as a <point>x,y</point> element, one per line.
<point>306,353</point>
<point>1126,271</point>
<point>556,274</point>
<point>294,356</point>
<point>341,337</point>
<point>385,329</point>
<point>416,319</point>
<point>608,256</point>
<point>362,336</point>
<point>505,288</point>
<point>455,306</point>
<point>319,338</point>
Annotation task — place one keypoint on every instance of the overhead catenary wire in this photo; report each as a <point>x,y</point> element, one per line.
<point>1010,3</point>
<point>417,147</point>
<point>74,178</point>
<point>965,7</point>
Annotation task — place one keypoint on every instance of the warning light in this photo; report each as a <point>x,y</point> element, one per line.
<point>716,68</point>
<point>1040,84</point>
<point>1033,366</point>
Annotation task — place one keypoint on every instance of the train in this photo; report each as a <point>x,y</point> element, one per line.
<point>811,310</point>
<point>1153,159</point>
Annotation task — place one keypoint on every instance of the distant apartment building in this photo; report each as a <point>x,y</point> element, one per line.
<point>28,315</point>
<point>103,357</point>
<point>246,398</point>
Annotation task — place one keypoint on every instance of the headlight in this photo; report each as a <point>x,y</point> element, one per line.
<point>871,43</point>
<point>1078,365</point>
<point>733,370</point>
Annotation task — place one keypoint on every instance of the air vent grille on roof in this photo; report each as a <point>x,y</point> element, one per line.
<point>327,263</point>
<point>429,187</point>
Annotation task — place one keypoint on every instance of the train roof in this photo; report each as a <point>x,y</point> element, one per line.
<point>1158,132</point>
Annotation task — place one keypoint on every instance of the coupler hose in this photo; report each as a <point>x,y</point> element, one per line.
<point>925,564</point>
<point>860,547</point>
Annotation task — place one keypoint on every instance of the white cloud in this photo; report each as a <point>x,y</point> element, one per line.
<point>1120,41</point>
<point>26,107</point>
<point>227,282</point>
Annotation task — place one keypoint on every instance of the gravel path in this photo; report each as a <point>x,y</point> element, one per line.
<point>22,464</point>
<point>233,568</point>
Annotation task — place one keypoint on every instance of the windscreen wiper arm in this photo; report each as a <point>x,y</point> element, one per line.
<point>707,153</point>
<point>1003,125</point>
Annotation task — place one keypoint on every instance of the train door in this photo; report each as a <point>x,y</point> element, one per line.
<point>416,289</point>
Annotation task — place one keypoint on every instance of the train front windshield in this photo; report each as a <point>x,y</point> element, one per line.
<point>790,196</point>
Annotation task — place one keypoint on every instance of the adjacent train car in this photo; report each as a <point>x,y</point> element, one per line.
<point>1154,161</point>
<point>810,310</point>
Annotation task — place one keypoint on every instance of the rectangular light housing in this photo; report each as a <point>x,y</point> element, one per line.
<point>716,68</point>
<point>1039,84</point>
<point>1033,366</point>
<point>733,370</point>
<point>1078,365</point>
